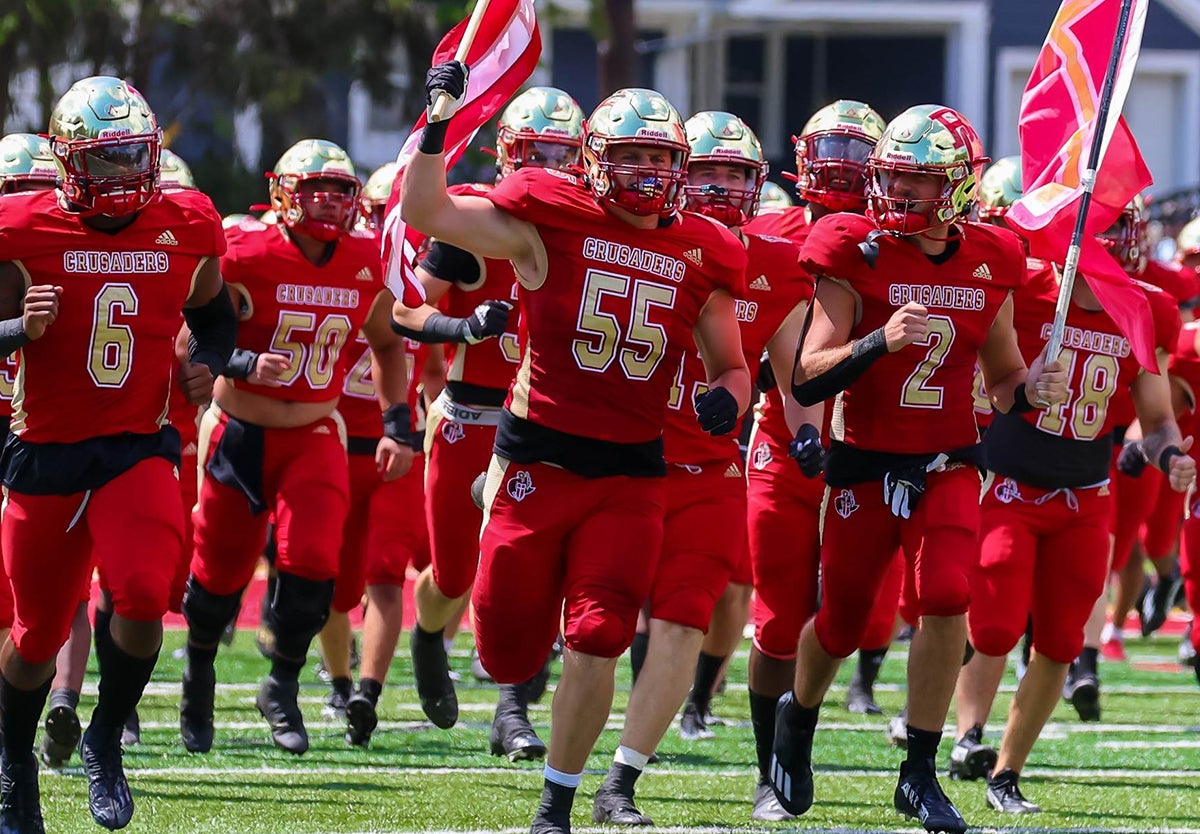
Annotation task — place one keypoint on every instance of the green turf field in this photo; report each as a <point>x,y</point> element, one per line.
<point>1138,771</point>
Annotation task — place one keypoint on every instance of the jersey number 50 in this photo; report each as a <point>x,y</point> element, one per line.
<point>315,357</point>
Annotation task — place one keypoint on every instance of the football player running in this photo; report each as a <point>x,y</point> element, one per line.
<point>273,440</point>
<point>540,128</point>
<point>614,282</point>
<point>907,301</point>
<point>105,263</point>
<point>703,547</point>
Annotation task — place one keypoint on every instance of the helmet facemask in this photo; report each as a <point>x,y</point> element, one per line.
<point>1126,240</point>
<point>525,148</point>
<point>321,214</point>
<point>831,169</point>
<point>727,205</point>
<point>906,215</point>
<point>641,190</point>
<point>114,176</point>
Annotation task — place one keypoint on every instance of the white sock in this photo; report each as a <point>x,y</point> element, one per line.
<point>632,758</point>
<point>567,780</point>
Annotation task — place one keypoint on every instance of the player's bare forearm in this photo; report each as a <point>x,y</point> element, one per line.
<point>1000,360</point>
<point>719,340</point>
<point>388,361</point>
<point>1155,416</point>
<point>1156,441</point>
<point>207,284</point>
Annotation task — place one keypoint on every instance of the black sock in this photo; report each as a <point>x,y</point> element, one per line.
<point>423,636</point>
<point>1088,658</point>
<point>20,712</point>
<point>762,719</point>
<point>285,670</point>
<point>556,802</point>
<point>342,686</point>
<point>708,666</point>
<point>199,658</point>
<point>123,677</point>
<point>370,689</point>
<point>64,697</point>
<point>923,748</point>
<point>103,623</point>
<point>867,669</point>
<point>637,652</point>
<point>622,778</point>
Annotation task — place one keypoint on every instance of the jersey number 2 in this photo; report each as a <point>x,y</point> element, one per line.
<point>917,392</point>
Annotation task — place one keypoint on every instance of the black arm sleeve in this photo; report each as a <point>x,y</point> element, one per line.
<point>449,263</point>
<point>12,336</point>
<point>838,378</point>
<point>437,329</point>
<point>214,332</point>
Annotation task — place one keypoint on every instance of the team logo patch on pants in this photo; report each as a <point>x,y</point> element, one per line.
<point>845,503</point>
<point>520,486</point>
<point>762,456</point>
<point>1008,491</point>
<point>452,432</point>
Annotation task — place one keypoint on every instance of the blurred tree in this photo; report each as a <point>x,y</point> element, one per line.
<point>615,30</point>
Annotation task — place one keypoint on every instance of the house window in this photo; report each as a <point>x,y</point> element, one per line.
<point>745,76</point>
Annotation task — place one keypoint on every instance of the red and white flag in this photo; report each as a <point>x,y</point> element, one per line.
<point>1057,126</point>
<point>503,55</point>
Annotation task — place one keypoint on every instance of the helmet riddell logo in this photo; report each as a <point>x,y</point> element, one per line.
<point>520,486</point>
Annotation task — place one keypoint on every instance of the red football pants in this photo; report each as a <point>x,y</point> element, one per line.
<point>558,543</point>
<point>1133,503</point>
<point>704,538</point>
<point>783,516</point>
<point>1042,552</point>
<point>457,453</point>
<point>384,531</point>
<point>132,527</point>
<point>1189,565</point>
<point>305,482</point>
<point>861,536</point>
<point>189,490</point>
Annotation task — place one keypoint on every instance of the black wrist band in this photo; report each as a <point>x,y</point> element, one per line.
<point>241,364</point>
<point>1021,403</point>
<point>12,335</point>
<point>397,423</point>
<point>433,137</point>
<point>1164,459</point>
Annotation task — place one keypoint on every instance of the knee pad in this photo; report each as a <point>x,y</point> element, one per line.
<point>601,634</point>
<point>298,612</point>
<point>207,613</point>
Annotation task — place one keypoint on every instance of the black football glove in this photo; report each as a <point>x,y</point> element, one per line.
<point>1132,460</point>
<point>717,411</point>
<point>449,78</point>
<point>806,450</point>
<point>488,321</point>
<point>903,488</point>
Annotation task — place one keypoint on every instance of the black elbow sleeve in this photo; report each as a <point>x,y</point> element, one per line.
<point>838,378</point>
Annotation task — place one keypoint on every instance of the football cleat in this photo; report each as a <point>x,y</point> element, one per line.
<point>1187,651</point>
<point>919,796</point>
<point>1114,649</point>
<point>896,730</point>
<point>970,758</point>
<point>613,806</point>
<point>692,726</point>
<point>513,736</point>
<point>361,720</point>
<point>108,792</point>
<point>791,759</point>
<point>435,690</point>
<point>341,689</point>
<point>196,708</point>
<point>1156,604</point>
<point>61,737</point>
<point>1005,796</point>
<point>131,733</point>
<point>20,800</point>
<point>767,807</point>
<point>861,699</point>
<point>1082,689</point>
<point>276,702</point>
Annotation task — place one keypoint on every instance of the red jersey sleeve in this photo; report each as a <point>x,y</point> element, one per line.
<point>831,248</point>
<point>1165,310</point>
<point>534,195</point>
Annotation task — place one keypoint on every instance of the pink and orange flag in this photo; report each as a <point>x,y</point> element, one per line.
<point>1057,124</point>
<point>502,56</point>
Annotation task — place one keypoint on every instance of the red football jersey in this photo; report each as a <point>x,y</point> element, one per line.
<point>299,309</point>
<point>1176,280</point>
<point>1101,364</point>
<point>359,407</point>
<point>1184,363</point>
<point>792,223</point>
<point>605,332</point>
<point>917,400</point>
<point>110,355</point>
<point>493,362</point>
<point>8,378</point>
<point>775,284</point>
